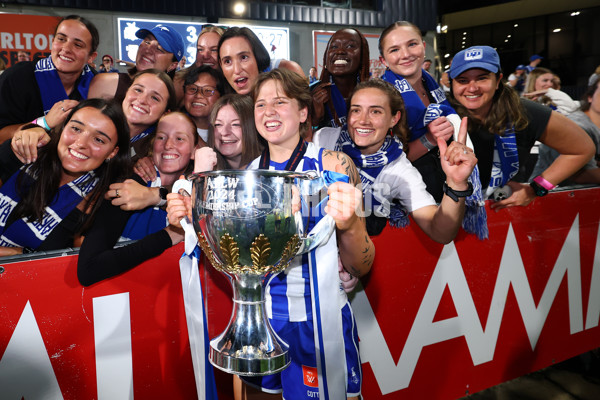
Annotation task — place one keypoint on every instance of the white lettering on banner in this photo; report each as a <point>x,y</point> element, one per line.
<point>22,41</point>
<point>593,309</point>
<point>392,377</point>
<point>112,337</point>
<point>25,368</point>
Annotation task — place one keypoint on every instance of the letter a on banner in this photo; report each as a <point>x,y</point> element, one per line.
<point>25,368</point>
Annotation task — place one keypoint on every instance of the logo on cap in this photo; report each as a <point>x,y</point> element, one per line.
<point>474,54</point>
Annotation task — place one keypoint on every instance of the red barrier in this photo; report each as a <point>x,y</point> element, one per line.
<point>464,316</point>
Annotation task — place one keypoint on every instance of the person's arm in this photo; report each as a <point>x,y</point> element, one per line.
<point>575,148</point>
<point>104,86</point>
<point>441,127</point>
<point>345,203</point>
<point>441,223</point>
<point>98,260</point>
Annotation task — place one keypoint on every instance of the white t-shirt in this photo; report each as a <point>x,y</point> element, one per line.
<point>203,133</point>
<point>398,180</point>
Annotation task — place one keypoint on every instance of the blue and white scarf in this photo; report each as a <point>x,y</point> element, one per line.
<point>24,233</point>
<point>370,166</point>
<point>417,114</point>
<point>339,104</point>
<point>51,88</point>
<point>147,221</point>
<point>149,131</point>
<point>505,164</point>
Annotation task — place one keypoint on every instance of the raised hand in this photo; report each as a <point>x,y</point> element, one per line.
<point>458,160</point>
<point>144,167</point>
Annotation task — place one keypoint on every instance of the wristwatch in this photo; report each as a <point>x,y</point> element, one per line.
<point>455,194</point>
<point>162,192</point>
<point>538,189</point>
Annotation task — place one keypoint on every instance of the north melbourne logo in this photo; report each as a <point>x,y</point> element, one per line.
<point>474,54</point>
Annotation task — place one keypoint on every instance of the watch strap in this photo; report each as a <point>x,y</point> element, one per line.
<point>456,194</point>
<point>538,189</point>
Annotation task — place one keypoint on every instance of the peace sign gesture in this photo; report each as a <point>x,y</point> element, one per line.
<point>458,160</point>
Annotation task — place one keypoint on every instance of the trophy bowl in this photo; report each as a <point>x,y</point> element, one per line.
<point>250,224</point>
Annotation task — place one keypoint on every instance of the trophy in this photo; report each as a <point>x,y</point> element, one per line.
<point>251,224</point>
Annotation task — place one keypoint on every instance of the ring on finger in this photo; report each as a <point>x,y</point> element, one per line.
<point>117,193</point>
<point>62,108</point>
<point>465,151</point>
<point>17,138</point>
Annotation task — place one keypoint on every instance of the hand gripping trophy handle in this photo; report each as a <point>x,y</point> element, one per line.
<point>251,224</point>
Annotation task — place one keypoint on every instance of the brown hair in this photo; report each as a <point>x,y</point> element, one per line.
<point>532,77</point>
<point>506,110</point>
<point>244,108</point>
<point>585,99</point>
<point>396,103</point>
<point>390,28</point>
<point>294,86</point>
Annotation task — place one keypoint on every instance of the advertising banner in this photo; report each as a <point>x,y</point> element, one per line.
<point>30,33</point>
<point>434,321</point>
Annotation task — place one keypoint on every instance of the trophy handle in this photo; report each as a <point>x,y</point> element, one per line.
<point>318,235</point>
<point>183,187</point>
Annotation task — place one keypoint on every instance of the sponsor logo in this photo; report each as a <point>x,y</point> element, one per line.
<point>474,54</point>
<point>311,376</point>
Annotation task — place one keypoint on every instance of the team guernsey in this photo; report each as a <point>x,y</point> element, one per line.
<point>302,323</point>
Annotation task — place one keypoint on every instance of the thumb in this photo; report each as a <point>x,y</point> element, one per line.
<point>43,141</point>
<point>442,146</point>
<point>339,169</point>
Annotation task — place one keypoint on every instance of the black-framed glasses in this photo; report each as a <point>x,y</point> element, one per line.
<point>207,91</point>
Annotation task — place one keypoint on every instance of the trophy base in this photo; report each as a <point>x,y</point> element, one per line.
<point>248,366</point>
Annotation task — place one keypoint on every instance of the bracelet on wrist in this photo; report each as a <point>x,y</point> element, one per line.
<point>425,142</point>
<point>41,122</point>
<point>543,183</point>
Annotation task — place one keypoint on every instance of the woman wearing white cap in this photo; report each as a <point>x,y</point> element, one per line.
<point>161,48</point>
<point>504,127</point>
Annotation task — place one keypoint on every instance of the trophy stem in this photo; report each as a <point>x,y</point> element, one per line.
<point>249,346</point>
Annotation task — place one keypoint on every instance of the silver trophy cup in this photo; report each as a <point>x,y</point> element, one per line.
<point>251,224</point>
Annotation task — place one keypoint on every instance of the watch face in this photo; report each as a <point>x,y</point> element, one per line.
<point>539,190</point>
<point>163,193</point>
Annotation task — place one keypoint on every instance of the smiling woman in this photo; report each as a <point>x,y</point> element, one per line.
<point>61,191</point>
<point>32,90</point>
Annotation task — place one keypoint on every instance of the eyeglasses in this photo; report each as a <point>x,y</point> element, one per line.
<point>207,91</point>
<point>106,60</point>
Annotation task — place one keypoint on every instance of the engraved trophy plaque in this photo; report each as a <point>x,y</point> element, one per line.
<point>249,225</point>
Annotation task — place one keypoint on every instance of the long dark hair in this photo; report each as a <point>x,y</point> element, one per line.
<point>47,169</point>
<point>89,26</point>
<point>585,99</point>
<point>362,74</point>
<point>263,60</point>
<point>251,140</point>
<point>396,103</point>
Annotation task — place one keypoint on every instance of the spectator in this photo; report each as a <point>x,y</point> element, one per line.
<point>517,79</point>
<point>23,56</point>
<point>539,87</point>
<point>64,186</point>
<point>503,129</point>
<point>242,56</point>
<point>312,75</point>
<point>32,90</point>
<point>534,61</point>
<point>430,116</point>
<point>208,46</point>
<point>203,87</point>
<point>161,48</point>
<point>427,64</point>
<point>107,64</point>
<point>594,76</point>
<point>232,139</point>
<point>588,118</point>
<point>345,62</point>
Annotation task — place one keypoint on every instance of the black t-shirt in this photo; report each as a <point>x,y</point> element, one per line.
<point>20,99</point>
<point>483,141</point>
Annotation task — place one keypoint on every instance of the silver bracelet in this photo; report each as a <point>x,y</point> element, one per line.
<point>425,142</point>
